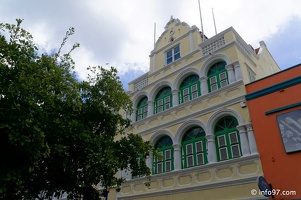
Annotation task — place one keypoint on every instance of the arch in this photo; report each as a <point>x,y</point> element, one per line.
<point>165,162</point>
<point>139,96</point>
<point>227,138</point>
<point>181,76</point>
<point>194,147</point>
<point>186,126</point>
<point>163,99</point>
<point>158,134</point>
<point>142,108</point>
<point>211,61</point>
<point>220,114</point>
<point>157,88</point>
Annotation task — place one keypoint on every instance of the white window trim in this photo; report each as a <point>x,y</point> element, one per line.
<point>172,54</point>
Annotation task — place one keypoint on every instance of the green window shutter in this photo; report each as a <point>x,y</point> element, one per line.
<point>189,89</point>
<point>217,76</point>
<point>142,107</point>
<point>194,150</point>
<point>227,139</point>
<point>163,100</point>
<point>165,161</point>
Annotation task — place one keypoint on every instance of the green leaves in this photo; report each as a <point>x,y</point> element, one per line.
<point>58,134</point>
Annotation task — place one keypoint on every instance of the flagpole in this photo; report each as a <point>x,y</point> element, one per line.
<point>154,34</point>
<point>201,21</point>
<point>214,22</point>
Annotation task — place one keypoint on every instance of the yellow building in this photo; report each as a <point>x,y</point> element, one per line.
<point>191,106</point>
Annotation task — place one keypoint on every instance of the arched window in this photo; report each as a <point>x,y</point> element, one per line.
<point>194,147</point>
<point>164,161</point>
<point>227,139</point>
<point>141,112</point>
<point>189,88</point>
<point>163,100</point>
<point>217,76</point>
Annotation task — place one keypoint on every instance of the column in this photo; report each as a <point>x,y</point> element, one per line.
<point>191,42</point>
<point>243,140</point>
<point>177,157</point>
<point>204,85</point>
<point>150,108</point>
<point>133,115</point>
<point>231,75</point>
<point>237,70</point>
<point>211,149</point>
<point>154,62</point>
<point>175,97</point>
<point>252,141</point>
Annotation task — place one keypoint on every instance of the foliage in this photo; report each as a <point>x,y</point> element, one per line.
<point>58,134</point>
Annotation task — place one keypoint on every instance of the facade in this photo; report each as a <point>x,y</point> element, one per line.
<point>191,106</point>
<point>275,109</point>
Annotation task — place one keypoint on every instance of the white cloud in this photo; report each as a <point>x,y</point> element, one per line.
<point>121,32</point>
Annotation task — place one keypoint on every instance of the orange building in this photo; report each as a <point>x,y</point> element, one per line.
<point>275,109</point>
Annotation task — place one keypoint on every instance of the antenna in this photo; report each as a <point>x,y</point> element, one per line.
<point>214,21</point>
<point>201,21</point>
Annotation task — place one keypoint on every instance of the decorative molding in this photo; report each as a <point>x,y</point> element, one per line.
<point>224,167</point>
<point>193,188</point>
<point>191,30</point>
<point>248,162</point>
<point>283,108</point>
<point>274,88</point>
<point>199,168</point>
<point>185,126</point>
<point>184,175</point>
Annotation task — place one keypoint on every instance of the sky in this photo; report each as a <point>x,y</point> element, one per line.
<point>120,33</point>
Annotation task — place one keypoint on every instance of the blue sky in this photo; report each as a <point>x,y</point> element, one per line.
<point>285,44</point>
<point>120,33</point>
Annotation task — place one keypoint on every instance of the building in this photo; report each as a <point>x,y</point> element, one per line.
<point>275,108</point>
<point>191,106</point>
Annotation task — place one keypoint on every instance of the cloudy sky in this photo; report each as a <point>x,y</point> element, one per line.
<point>120,33</point>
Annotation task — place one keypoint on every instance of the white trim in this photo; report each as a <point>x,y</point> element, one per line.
<point>185,126</point>
<point>158,87</point>
<point>212,60</point>
<point>138,97</point>
<point>220,114</point>
<point>183,74</point>
<point>158,134</point>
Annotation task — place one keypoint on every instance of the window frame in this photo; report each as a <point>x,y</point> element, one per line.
<point>193,142</point>
<point>217,75</point>
<point>172,54</point>
<point>226,133</point>
<point>162,161</point>
<point>165,105</point>
<point>144,109</point>
<point>190,93</point>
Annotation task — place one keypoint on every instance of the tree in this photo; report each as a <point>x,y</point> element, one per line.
<point>59,134</point>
